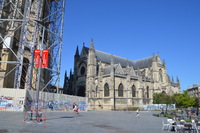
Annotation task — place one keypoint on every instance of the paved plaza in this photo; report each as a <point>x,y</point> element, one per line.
<point>84,122</point>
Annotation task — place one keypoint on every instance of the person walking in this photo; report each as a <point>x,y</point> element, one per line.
<point>75,108</point>
<point>162,112</point>
<point>138,113</point>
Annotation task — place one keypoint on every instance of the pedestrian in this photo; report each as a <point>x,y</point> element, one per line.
<point>138,113</point>
<point>51,106</point>
<point>162,112</point>
<point>75,108</point>
<point>187,114</point>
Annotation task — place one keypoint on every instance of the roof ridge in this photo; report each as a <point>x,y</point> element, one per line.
<point>141,63</point>
<point>127,58</point>
<point>123,57</point>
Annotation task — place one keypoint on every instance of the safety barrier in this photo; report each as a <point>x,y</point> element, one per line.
<point>34,117</point>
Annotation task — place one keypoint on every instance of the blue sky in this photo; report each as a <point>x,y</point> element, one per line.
<point>135,29</point>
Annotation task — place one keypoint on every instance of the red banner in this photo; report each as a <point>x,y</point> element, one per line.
<point>45,58</point>
<point>37,57</point>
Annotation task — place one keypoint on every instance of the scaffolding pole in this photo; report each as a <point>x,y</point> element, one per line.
<point>27,25</point>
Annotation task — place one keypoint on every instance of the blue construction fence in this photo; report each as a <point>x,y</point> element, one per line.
<point>158,106</point>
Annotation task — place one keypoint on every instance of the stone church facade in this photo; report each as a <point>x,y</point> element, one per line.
<point>112,82</point>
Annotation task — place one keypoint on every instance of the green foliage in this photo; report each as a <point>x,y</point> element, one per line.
<point>156,98</point>
<point>181,100</point>
<point>157,115</point>
<point>196,102</point>
<point>163,98</point>
<point>129,108</point>
<point>184,100</point>
<point>188,120</point>
<point>133,108</point>
<point>165,115</point>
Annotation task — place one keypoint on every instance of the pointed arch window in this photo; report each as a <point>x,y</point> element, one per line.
<point>106,90</point>
<point>120,90</point>
<point>133,91</point>
<point>160,75</point>
<point>147,91</point>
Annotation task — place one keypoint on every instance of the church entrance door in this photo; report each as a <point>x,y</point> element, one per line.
<point>81,91</point>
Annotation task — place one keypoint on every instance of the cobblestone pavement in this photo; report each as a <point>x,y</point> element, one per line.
<point>84,122</point>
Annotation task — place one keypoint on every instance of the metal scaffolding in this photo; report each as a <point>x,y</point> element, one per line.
<point>26,25</point>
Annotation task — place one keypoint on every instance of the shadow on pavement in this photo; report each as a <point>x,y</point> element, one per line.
<point>3,131</point>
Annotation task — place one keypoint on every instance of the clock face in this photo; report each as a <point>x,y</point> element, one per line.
<point>82,70</point>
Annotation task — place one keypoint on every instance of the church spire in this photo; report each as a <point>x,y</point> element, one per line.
<point>164,63</point>
<point>112,60</point>
<point>77,51</point>
<point>172,79</point>
<point>154,58</point>
<point>65,77</point>
<point>91,60</point>
<point>65,83</point>
<point>66,74</point>
<point>92,44</point>
<point>177,80</point>
<point>127,63</point>
<point>70,73</point>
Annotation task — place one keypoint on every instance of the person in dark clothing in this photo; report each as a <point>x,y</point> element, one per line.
<point>162,112</point>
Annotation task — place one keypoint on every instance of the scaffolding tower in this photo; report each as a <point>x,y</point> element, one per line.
<point>27,25</point>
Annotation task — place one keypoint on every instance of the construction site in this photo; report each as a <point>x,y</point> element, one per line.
<point>31,33</point>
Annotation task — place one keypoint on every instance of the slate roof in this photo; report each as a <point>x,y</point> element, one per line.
<point>106,58</point>
<point>107,69</point>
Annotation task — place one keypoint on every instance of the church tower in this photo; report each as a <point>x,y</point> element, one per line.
<point>76,59</point>
<point>91,73</point>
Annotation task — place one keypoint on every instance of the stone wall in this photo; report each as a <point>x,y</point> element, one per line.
<point>23,100</point>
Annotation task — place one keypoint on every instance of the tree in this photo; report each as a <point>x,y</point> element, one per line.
<point>163,98</point>
<point>196,102</point>
<point>184,100</point>
<point>157,97</point>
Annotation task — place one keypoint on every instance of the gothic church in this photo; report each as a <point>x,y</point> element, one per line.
<point>112,82</point>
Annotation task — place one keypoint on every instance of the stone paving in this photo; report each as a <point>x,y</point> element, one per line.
<point>84,122</point>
